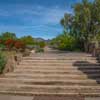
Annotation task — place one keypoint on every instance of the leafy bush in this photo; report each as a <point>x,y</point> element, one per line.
<point>2,62</point>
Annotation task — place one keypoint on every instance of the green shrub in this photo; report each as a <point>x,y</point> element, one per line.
<point>41,44</point>
<point>2,62</point>
<point>2,46</point>
<point>38,50</point>
<point>64,42</point>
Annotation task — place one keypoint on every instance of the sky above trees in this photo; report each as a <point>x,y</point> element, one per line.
<point>39,18</point>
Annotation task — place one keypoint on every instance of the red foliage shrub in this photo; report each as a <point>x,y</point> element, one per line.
<point>9,43</point>
<point>19,44</point>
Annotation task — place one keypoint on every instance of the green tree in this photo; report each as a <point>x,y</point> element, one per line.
<point>66,22</point>
<point>82,22</point>
<point>84,25</point>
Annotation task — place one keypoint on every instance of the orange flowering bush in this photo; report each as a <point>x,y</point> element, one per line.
<point>9,43</point>
<point>19,44</point>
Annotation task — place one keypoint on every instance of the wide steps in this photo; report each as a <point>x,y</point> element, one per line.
<point>54,74</point>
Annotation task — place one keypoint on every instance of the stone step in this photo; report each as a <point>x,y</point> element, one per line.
<point>61,54</point>
<point>64,77</point>
<point>68,93</point>
<point>58,58</point>
<point>19,67</point>
<point>50,68</point>
<point>48,82</point>
<point>29,75</point>
<point>54,67</point>
<point>51,91</point>
<point>56,71</point>
<point>60,61</point>
<point>64,87</point>
<point>50,74</point>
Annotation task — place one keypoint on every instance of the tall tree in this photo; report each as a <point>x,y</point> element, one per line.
<point>85,22</point>
<point>66,22</point>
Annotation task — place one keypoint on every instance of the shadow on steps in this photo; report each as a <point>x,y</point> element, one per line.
<point>92,70</point>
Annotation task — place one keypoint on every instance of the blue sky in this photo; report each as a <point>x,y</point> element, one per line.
<point>39,18</point>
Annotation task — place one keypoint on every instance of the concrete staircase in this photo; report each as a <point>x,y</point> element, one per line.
<point>54,74</point>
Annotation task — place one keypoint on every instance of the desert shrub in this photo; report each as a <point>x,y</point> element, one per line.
<point>2,62</point>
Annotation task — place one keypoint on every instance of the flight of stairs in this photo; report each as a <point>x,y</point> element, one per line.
<point>54,74</point>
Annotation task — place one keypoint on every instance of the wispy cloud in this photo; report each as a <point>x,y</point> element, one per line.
<point>36,20</point>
